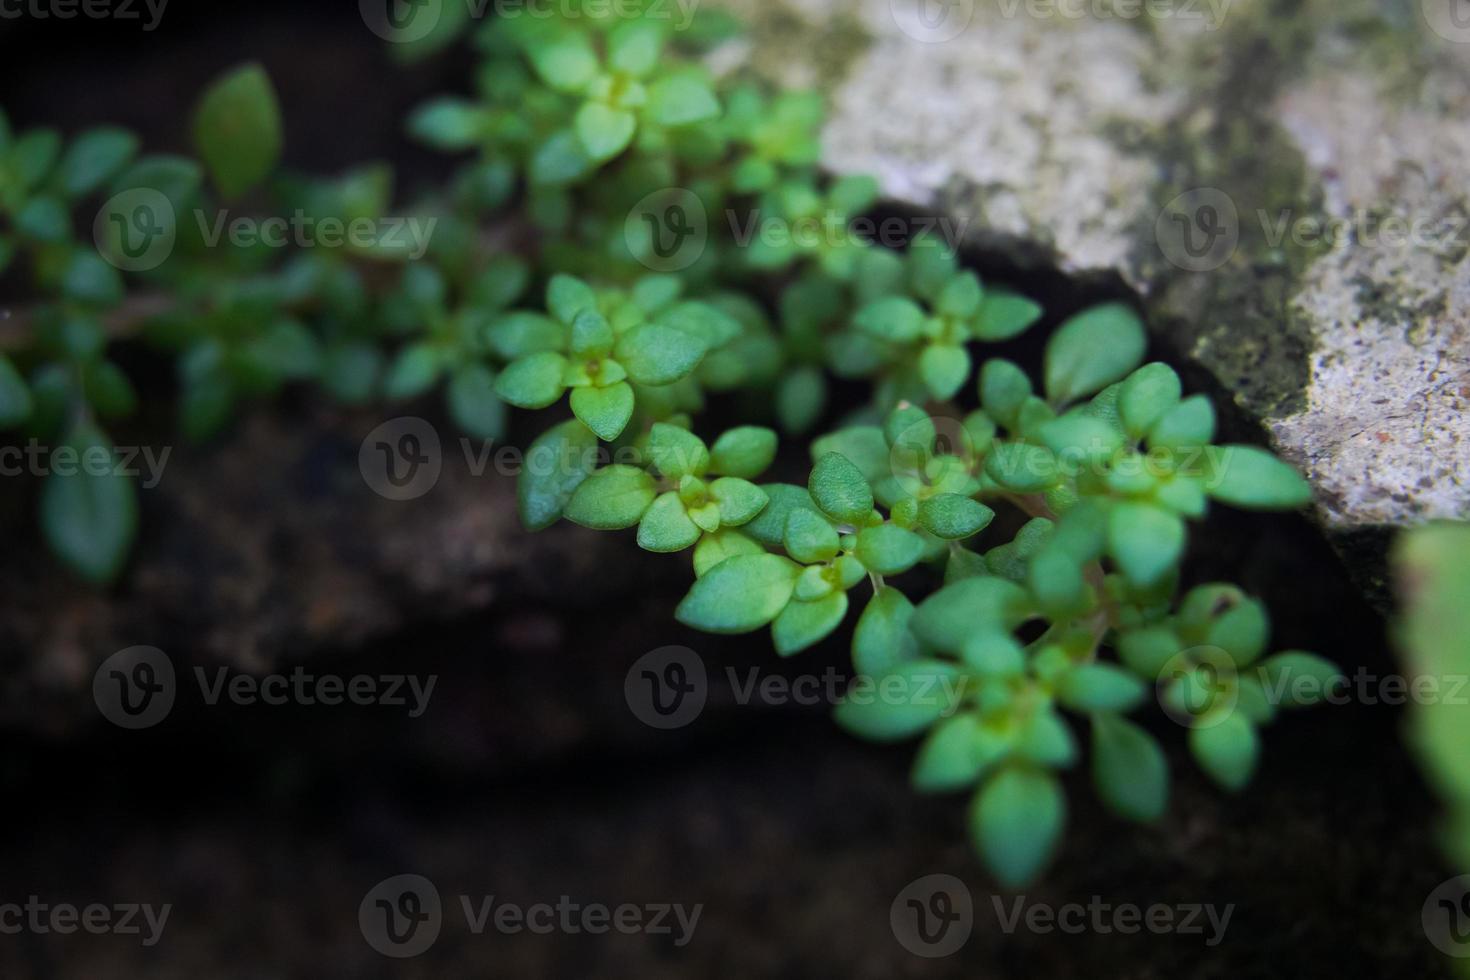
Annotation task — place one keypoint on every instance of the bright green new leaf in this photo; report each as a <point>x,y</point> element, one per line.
<point>604,131</point>
<point>1003,389</point>
<point>534,381</point>
<point>951,516</point>
<point>677,452</point>
<point>953,756</point>
<point>1226,749</point>
<point>891,318</point>
<point>657,354</point>
<point>949,617</point>
<point>237,129</point>
<point>612,498</point>
<point>1188,426</point>
<point>724,543</point>
<point>1092,350</point>
<point>882,639</point>
<point>666,527</point>
<point>1004,315</point>
<point>1128,769</point>
<point>887,549</point>
<point>740,594</point>
<point>1146,396</point>
<point>1101,687</point>
<point>803,624</point>
<point>681,100</point>
<point>901,703</point>
<point>1252,478</point>
<point>944,369</point>
<point>746,452</point>
<point>739,500</point>
<point>839,489</point>
<point>605,411</point>
<point>1016,821</point>
<point>1146,541</point>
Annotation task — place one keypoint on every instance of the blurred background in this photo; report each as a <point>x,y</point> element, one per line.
<point>528,776</point>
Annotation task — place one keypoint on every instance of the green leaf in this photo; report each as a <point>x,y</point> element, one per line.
<point>633,48</point>
<point>745,452</point>
<point>948,618</point>
<point>560,160</point>
<point>473,404</point>
<point>1226,749</point>
<point>1296,679</point>
<point>882,639</point>
<point>740,594</point>
<point>1252,478</point>
<point>953,517</point>
<point>1188,426</point>
<point>44,219</point>
<point>90,279</point>
<point>518,334</point>
<point>556,465</point>
<point>237,129</point>
<point>604,131</point>
<point>810,538</point>
<point>1147,541</point>
<point>803,624</point>
<point>33,155</point>
<point>657,354</point>
<point>1092,350</point>
<point>1004,315</point>
<point>564,58</point>
<point>681,100</point>
<point>605,411</point>
<point>1148,650</point>
<point>677,452</point>
<point>1016,821</point>
<point>15,397</point>
<point>891,318</point>
<point>534,381</point>
<point>739,500</point>
<point>612,498</point>
<point>448,124</point>
<point>1129,769</point>
<point>838,488</point>
<point>944,369</point>
<point>89,512</point>
<point>666,527</point>
<point>1004,387</point>
<point>1241,631</point>
<point>888,549</point>
<point>1146,396</point>
<point>1100,687</point>
<point>901,703</point>
<point>769,526</point>
<point>724,543</point>
<point>413,372</point>
<point>1022,468</point>
<point>955,754</point>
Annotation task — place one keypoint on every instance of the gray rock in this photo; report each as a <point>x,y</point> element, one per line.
<point>1324,153</point>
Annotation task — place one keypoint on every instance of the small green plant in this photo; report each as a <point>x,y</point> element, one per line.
<point>548,274</point>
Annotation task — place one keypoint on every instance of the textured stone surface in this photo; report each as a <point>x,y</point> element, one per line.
<point>1068,140</point>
